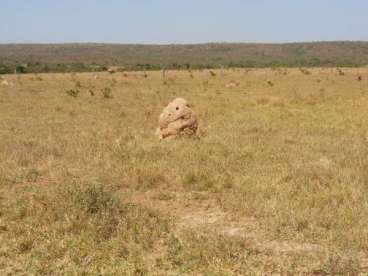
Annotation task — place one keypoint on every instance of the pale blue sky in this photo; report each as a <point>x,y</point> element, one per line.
<point>185,21</point>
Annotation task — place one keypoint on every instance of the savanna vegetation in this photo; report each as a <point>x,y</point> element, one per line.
<point>37,58</point>
<point>277,182</point>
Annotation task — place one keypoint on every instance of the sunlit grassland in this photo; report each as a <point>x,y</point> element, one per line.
<point>276,183</point>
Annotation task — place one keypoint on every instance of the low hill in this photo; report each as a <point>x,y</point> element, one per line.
<point>92,56</point>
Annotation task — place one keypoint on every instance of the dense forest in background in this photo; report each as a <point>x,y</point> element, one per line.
<point>37,58</point>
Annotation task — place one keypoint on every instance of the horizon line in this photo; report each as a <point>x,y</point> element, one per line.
<point>182,43</point>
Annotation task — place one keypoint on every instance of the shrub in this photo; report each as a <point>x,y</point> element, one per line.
<point>72,92</point>
<point>91,199</point>
<point>107,93</point>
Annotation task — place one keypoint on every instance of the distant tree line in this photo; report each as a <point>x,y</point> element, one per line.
<point>38,67</point>
<point>89,57</point>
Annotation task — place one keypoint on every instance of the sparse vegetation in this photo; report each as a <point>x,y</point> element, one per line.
<point>72,92</point>
<point>277,185</point>
<point>107,93</point>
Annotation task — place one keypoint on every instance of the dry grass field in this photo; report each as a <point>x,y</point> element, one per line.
<point>277,183</point>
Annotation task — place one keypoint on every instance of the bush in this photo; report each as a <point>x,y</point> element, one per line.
<point>107,93</point>
<point>72,92</point>
<point>5,69</point>
<point>91,199</point>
